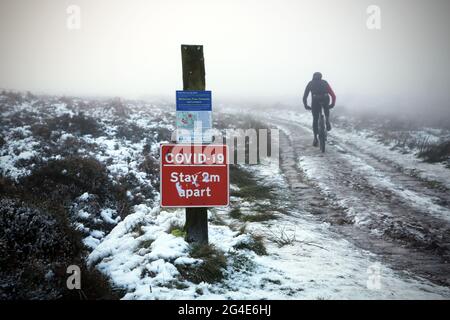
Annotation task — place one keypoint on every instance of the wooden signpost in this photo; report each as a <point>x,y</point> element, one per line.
<point>194,79</point>
<point>194,173</point>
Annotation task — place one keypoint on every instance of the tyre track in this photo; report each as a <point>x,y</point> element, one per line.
<point>399,233</point>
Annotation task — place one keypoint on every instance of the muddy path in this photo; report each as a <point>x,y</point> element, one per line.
<point>370,202</point>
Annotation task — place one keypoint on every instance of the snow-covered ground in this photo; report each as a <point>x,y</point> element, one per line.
<point>142,255</point>
<point>315,265</point>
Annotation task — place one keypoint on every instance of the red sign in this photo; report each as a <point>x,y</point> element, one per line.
<point>194,175</point>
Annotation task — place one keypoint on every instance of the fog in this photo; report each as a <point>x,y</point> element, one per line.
<point>254,49</point>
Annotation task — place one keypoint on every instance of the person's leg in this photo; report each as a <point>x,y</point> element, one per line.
<point>326,111</point>
<point>315,110</point>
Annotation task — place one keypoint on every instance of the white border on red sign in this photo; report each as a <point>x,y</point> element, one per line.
<point>194,144</point>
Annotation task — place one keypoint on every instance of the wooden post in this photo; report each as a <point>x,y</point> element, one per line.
<point>196,226</point>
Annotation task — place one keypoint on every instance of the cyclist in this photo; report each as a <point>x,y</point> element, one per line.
<point>320,96</point>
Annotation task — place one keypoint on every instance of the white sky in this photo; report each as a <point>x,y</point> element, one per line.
<point>253,48</point>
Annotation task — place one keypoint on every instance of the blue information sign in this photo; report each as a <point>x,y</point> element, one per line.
<point>194,101</point>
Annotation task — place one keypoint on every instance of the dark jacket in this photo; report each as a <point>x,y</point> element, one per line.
<point>318,87</point>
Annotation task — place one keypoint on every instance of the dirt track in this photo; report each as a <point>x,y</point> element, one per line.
<point>369,201</point>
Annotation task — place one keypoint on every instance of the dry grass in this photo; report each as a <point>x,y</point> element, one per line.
<point>256,244</point>
<point>210,270</point>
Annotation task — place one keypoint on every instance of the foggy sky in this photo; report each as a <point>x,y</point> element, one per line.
<point>253,48</point>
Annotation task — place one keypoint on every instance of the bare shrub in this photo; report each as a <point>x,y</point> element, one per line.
<point>130,131</point>
<point>36,248</point>
<point>282,237</point>
<point>13,98</point>
<point>437,152</point>
<point>78,124</point>
<point>58,183</point>
<point>119,107</point>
